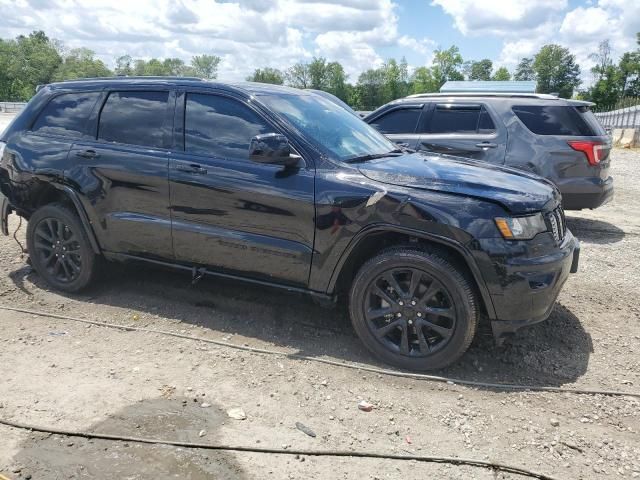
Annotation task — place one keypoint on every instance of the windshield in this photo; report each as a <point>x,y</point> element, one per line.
<point>332,129</point>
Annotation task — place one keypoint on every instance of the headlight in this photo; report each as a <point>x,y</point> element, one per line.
<point>521,228</point>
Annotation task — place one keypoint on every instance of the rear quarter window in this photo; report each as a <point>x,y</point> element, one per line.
<point>66,114</point>
<point>554,120</point>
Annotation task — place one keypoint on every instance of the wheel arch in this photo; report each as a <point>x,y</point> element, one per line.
<point>56,193</point>
<point>370,241</point>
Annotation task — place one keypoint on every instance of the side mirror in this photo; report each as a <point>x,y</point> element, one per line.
<point>272,148</point>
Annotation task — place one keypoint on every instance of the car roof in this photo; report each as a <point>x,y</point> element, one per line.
<point>498,96</point>
<point>248,88</point>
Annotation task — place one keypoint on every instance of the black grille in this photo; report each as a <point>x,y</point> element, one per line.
<point>556,224</point>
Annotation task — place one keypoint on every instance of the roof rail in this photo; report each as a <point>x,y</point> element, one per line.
<point>485,94</point>
<point>136,77</point>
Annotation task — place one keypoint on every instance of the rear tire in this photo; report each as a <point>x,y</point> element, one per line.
<point>59,248</point>
<point>413,309</point>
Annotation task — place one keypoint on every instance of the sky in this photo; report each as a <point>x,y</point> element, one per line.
<point>360,34</point>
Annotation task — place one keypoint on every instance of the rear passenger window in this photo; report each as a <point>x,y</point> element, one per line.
<point>134,118</point>
<point>553,120</point>
<point>66,114</point>
<point>221,127</point>
<point>401,120</point>
<point>451,118</point>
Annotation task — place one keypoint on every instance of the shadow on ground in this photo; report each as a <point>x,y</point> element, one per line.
<point>594,231</point>
<point>179,419</point>
<point>551,353</point>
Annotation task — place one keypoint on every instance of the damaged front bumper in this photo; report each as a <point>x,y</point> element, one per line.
<point>525,287</point>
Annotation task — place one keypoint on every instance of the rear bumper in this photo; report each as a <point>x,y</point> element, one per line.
<point>529,286</point>
<point>581,193</point>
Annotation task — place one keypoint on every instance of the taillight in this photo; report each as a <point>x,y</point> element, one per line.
<point>595,151</point>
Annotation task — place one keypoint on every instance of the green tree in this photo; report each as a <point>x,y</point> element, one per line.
<point>396,79</point>
<point>318,78</point>
<point>481,70</point>
<point>298,76</point>
<point>267,75</point>
<point>25,63</point>
<point>80,63</point>
<point>124,65</point>
<point>370,88</point>
<point>502,74</point>
<point>556,71</point>
<point>175,67</point>
<point>447,65</point>
<point>337,81</point>
<point>422,81</point>
<point>524,70</point>
<point>205,66</point>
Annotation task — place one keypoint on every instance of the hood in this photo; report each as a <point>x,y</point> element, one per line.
<point>517,191</point>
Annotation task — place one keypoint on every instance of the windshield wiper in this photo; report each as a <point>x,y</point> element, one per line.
<point>373,156</point>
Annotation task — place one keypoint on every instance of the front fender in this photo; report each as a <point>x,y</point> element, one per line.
<point>464,252</point>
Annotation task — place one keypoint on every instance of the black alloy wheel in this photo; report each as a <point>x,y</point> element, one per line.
<point>409,311</point>
<point>414,308</point>
<point>59,248</point>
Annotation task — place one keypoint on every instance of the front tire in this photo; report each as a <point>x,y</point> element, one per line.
<point>413,309</point>
<point>59,248</point>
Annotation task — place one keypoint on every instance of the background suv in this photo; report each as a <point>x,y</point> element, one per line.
<point>558,139</point>
<point>282,187</point>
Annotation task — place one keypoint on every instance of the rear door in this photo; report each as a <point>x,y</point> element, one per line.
<point>122,171</point>
<point>469,129</point>
<point>400,124</point>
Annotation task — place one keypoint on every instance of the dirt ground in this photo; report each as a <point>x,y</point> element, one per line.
<point>65,374</point>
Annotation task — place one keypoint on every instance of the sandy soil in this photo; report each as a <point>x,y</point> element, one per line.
<point>69,375</point>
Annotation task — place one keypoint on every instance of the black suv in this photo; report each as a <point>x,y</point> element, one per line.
<point>282,187</point>
<point>553,137</point>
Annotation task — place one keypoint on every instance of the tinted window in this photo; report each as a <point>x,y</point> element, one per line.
<point>66,114</point>
<point>485,124</point>
<point>454,119</point>
<point>553,120</point>
<point>135,118</point>
<point>220,126</point>
<point>329,127</point>
<point>403,120</point>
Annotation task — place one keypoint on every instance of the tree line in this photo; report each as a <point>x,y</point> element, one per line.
<point>28,61</point>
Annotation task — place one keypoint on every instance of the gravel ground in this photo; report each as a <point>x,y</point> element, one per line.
<point>69,375</point>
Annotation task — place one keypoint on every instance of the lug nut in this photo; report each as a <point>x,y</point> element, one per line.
<point>413,302</point>
<point>410,322</point>
<point>401,303</point>
<point>398,314</point>
<point>419,314</point>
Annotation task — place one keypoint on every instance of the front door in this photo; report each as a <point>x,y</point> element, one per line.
<point>230,213</point>
<point>464,130</point>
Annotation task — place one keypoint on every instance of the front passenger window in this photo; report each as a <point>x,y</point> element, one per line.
<point>220,127</point>
<point>401,120</point>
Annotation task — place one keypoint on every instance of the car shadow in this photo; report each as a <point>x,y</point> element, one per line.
<point>551,353</point>
<point>165,418</point>
<point>594,231</point>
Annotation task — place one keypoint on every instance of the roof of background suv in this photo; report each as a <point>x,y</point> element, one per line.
<point>249,88</point>
<point>512,98</point>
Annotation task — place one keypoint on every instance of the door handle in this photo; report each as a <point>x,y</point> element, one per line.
<point>486,145</point>
<point>88,154</point>
<point>191,168</point>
